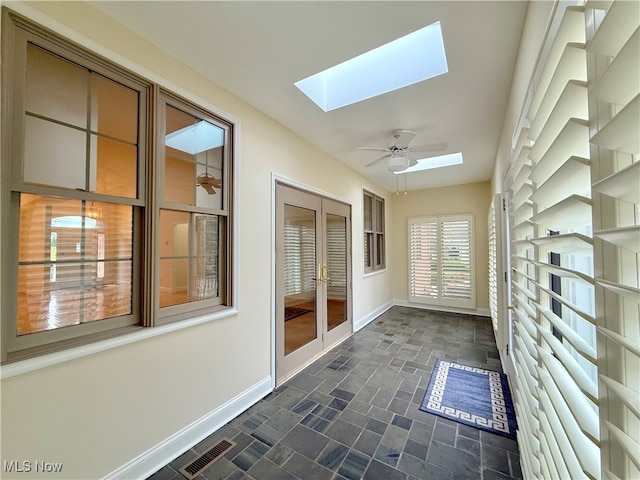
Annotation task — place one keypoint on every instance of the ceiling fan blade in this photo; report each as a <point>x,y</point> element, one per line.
<point>401,138</point>
<point>209,189</point>
<point>374,149</point>
<point>432,147</point>
<point>378,160</point>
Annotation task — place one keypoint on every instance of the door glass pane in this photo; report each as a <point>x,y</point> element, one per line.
<point>299,277</point>
<point>75,262</point>
<point>336,270</point>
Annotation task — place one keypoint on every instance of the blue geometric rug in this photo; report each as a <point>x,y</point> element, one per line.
<point>473,396</point>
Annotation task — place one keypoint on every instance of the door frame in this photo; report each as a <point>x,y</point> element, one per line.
<point>275,179</point>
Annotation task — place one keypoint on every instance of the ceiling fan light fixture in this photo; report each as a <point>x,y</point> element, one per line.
<point>436,162</point>
<point>398,163</point>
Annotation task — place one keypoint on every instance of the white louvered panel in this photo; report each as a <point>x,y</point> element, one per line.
<point>526,348</point>
<point>565,243</point>
<point>628,343</point>
<point>547,471</point>
<point>441,261</point>
<point>627,238</point>
<point>455,259</point>
<point>553,455</point>
<point>630,398</point>
<point>574,308</point>
<point>628,443</point>
<point>570,31</point>
<point>572,177</point>
<point>574,210</point>
<point>493,229</point>
<point>571,104</point>
<point>622,132</point>
<point>423,252</point>
<point>521,196</point>
<point>552,427</point>
<point>616,85</point>
<point>522,178</point>
<point>614,115</point>
<point>579,415</point>
<point>586,349</point>
<point>622,185</point>
<point>572,367</point>
<point>572,141</point>
<point>527,323</point>
<point>560,203</point>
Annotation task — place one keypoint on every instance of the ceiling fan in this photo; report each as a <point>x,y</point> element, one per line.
<point>206,180</point>
<point>400,155</point>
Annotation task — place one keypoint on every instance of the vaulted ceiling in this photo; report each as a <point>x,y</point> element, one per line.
<point>257,50</point>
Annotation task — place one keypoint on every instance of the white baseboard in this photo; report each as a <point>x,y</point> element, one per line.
<point>483,312</point>
<point>369,317</point>
<point>181,441</point>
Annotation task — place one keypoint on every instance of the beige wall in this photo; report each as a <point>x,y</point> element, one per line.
<point>473,198</point>
<point>97,413</point>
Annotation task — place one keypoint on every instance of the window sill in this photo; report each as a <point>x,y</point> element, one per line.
<point>55,358</point>
<point>375,272</point>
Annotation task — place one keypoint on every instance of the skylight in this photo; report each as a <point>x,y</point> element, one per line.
<point>410,59</point>
<point>435,162</point>
<point>196,138</point>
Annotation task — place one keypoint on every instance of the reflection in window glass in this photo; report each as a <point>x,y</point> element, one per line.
<point>85,272</point>
<point>189,257</point>
<point>193,161</point>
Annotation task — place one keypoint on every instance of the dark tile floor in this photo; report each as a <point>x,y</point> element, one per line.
<point>354,413</point>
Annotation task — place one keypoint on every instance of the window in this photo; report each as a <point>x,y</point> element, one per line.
<point>374,252</point>
<point>441,261</point>
<point>109,234</point>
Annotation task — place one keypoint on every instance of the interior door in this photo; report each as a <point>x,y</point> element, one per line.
<point>313,276</point>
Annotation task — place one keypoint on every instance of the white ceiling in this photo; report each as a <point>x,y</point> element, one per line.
<point>257,50</point>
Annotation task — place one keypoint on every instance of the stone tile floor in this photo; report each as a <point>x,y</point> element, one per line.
<point>353,413</point>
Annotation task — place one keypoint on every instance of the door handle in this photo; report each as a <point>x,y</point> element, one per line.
<point>322,273</point>
<point>325,276</point>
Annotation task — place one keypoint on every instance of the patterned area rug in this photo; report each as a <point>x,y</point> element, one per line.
<point>473,396</point>
<point>293,312</point>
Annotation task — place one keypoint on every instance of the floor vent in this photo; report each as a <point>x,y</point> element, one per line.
<point>195,467</point>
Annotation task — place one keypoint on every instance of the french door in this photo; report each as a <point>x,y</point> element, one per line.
<point>313,276</point>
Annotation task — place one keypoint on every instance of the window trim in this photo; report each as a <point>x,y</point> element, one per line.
<point>375,232</point>
<point>20,15</point>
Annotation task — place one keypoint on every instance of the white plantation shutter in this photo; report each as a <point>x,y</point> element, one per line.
<point>494,229</point>
<point>423,260</point>
<point>613,59</point>
<point>574,250</point>
<point>455,260</point>
<point>441,261</point>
